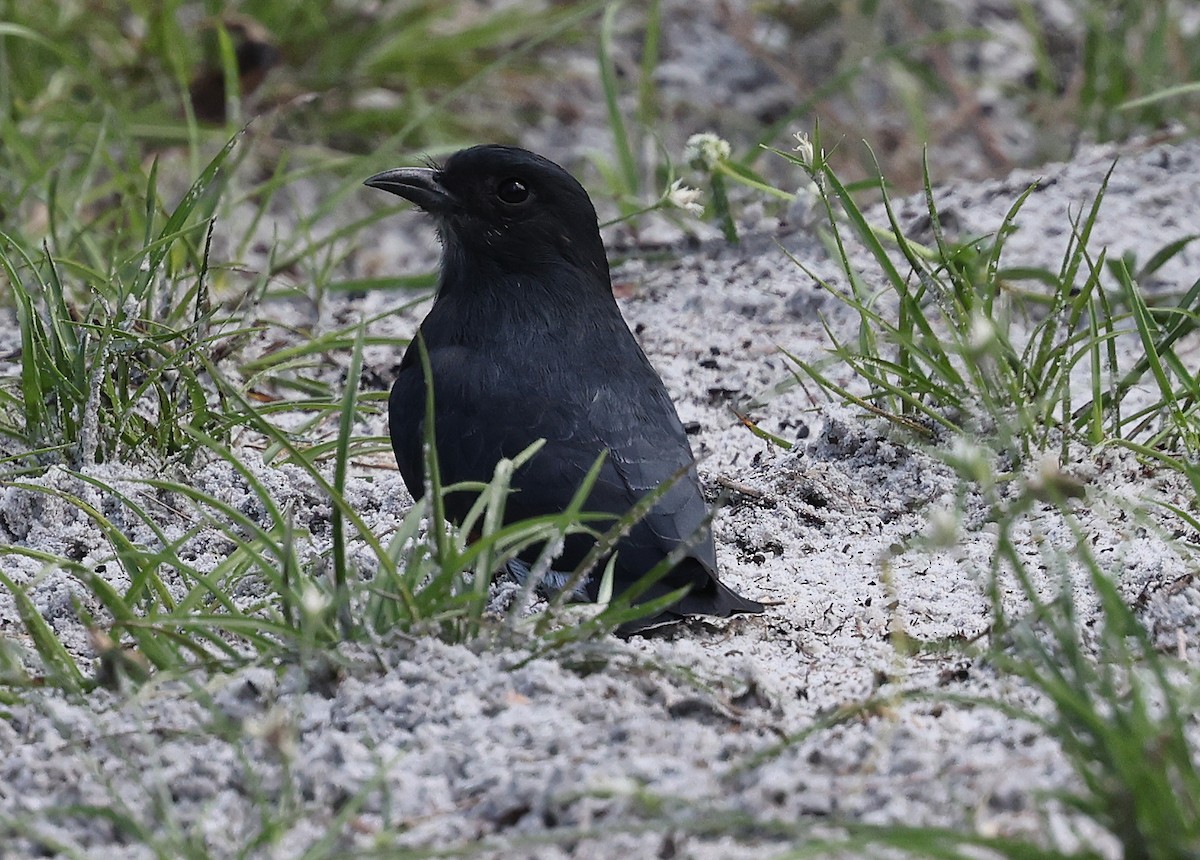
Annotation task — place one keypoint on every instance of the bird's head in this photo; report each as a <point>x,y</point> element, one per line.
<point>505,209</point>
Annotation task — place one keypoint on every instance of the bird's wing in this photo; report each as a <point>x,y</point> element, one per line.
<point>646,447</point>
<point>470,435</point>
<point>481,417</point>
<point>406,421</point>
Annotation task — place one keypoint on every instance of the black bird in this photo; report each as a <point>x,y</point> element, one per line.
<point>526,342</point>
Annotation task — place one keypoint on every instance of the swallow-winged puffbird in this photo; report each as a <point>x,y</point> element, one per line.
<point>526,342</point>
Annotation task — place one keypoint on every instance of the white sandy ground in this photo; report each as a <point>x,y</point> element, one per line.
<point>629,750</point>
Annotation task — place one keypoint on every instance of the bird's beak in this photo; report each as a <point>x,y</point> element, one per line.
<point>417,184</point>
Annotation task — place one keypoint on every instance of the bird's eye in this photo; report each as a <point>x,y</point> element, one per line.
<point>512,191</point>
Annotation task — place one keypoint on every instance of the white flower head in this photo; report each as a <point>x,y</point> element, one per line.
<point>276,730</point>
<point>1048,471</point>
<point>972,460</point>
<point>313,601</point>
<point>944,527</point>
<point>686,198</point>
<point>706,150</point>
<point>1050,483</point>
<point>804,147</point>
<point>981,333</point>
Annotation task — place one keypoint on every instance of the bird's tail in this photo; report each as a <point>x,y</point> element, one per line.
<point>715,598</point>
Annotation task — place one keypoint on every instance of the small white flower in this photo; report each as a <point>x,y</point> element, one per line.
<point>706,150</point>
<point>981,333</point>
<point>686,198</point>
<point>313,601</point>
<point>943,527</point>
<point>810,159</point>
<point>1049,483</point>
<point>804,147</point>
<point>973,461</point>
<point>276,730</point>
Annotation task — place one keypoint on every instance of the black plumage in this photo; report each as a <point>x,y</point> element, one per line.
<point>525,341</point>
